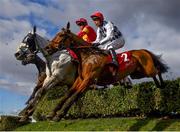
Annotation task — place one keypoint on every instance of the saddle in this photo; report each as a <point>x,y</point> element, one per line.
<point>123,59</point>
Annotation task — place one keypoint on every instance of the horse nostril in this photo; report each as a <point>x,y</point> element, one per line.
<point>16,54</point>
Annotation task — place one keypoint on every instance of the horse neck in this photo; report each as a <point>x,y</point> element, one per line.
<point>40,64</point>
<point>80,42</point>
<point>42,42</point>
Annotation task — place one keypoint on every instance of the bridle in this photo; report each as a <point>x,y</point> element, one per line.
<point>32,46</point>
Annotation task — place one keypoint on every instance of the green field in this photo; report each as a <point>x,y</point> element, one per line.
<point>106,124</point>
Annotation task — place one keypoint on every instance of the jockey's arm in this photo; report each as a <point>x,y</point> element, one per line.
<point>83,32</point>
<point>109,33</point>
<point>98,38</point>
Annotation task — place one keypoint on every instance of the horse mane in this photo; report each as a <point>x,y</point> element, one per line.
<point>80,41</point>
<point>42,41</point>
<point>87,49</point>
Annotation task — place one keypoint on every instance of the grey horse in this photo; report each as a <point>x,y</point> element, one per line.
<point>60,63</point>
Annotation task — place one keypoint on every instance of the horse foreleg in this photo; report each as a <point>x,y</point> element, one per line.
<point>64,98</point>
<point>28,111</point>
<point>156,82</point>
<point>32,105</point>
<point>67,104</point>
<point>25,111</point>
<point>32,95</point>
<point>41,79</point>
<point>26,115</point>
<point>28,108</point>
<point>49,83</point>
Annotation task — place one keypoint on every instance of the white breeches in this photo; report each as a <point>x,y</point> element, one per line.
<point>116,44</point>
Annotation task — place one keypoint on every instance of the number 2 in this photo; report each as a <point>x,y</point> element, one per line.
<point>125,57</point>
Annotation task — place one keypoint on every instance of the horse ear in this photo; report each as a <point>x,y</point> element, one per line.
<point>68,26</point>
<point>34,29</point>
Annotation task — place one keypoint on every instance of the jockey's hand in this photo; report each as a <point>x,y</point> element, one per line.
<point>95,44</point>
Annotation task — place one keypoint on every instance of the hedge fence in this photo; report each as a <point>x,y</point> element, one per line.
<point>143,99</point>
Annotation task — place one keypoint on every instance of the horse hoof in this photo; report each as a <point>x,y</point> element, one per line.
<point>22,113</point>
<point>56,119</point>
<point>24,119</point>
<point>51,115</point>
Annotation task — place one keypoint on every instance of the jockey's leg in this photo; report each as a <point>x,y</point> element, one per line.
<point>112,46</point>
<point>114,57</point>
<point>115,64</point>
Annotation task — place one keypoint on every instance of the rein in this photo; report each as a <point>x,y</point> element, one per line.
<point>75,46</point>
<point>82,47</point>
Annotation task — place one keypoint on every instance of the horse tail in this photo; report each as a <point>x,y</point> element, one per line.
<point>158,62</point>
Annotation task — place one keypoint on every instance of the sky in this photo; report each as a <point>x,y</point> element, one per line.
<point>149,24</point>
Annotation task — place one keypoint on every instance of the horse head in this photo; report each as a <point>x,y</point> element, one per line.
<point>64,39</point>
<point>26,50</point>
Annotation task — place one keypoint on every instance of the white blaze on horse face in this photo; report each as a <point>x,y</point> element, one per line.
<point>22,47</point>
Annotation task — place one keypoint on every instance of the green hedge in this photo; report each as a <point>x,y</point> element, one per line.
<point>142,99</point>
<point>9,123</point>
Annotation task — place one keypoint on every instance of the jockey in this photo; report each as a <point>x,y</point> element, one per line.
<point>86,32</point>
<point>108,36</point>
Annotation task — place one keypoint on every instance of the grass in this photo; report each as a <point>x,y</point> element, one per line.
<point>105,124</point>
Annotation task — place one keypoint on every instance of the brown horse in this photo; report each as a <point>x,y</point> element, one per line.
<point>95,66</point>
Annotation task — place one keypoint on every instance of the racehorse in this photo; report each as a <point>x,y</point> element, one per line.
<point>62,67</point>
<point>94,64</point>
<point>26,56</point>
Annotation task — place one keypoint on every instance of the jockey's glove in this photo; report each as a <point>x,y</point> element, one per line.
<point>95,44</point>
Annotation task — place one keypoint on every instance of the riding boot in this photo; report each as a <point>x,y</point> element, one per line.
<point>114,58</point>
<point>114,62</point>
